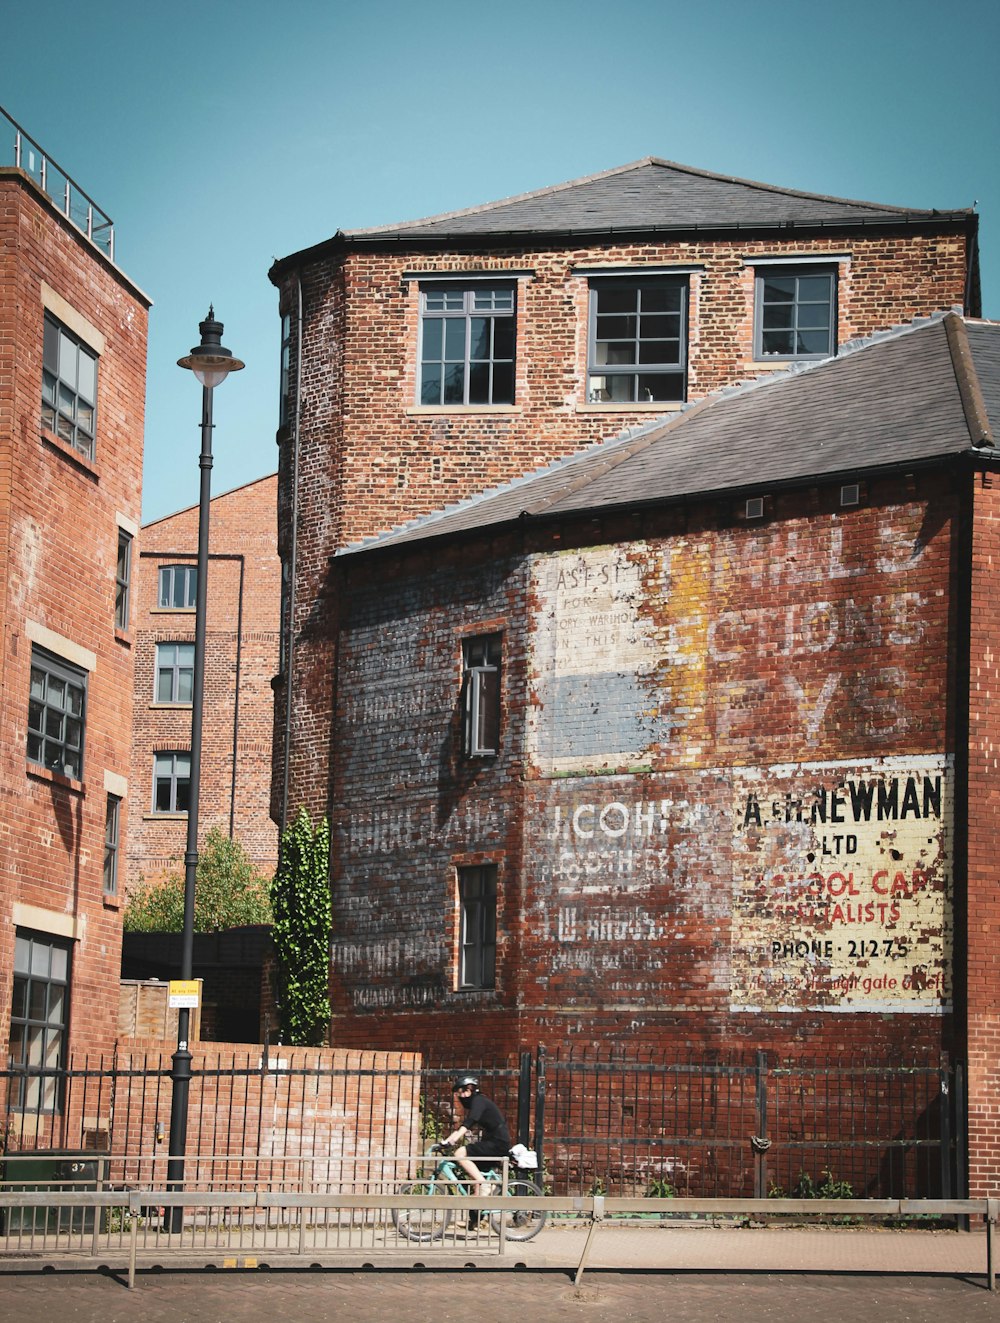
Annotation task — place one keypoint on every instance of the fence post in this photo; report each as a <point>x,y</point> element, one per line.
<point>539,1144</point>
<point>524,1101</point>
<point>944,1129</point>
<point>760,1141</point>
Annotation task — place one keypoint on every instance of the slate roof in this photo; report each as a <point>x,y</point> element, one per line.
<point>650,194</point>
<point>647,196</point>
<point>910,395</point>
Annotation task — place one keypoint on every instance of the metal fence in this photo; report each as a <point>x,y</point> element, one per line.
<point>616,1124</point>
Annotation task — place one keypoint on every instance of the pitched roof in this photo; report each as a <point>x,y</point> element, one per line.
<point>648,195</point>
<point>917,393</point>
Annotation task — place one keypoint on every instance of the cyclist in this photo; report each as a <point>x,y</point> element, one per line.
<point>483,1114</point>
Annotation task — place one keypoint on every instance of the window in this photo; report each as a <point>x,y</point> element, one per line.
<point>112,818</point>
<point>638,340</point>
<point>794,313</point>
<point>39,1017</point>
<point>171,782</point>
<point>56,714</point>
<point>123,576</point>
<point>174,672</point>
<point>286,360</point>
<point>481,684</point>
<point>477,896</point>
<point>69,387</point>
<point>178,587</point>
<point>467,344</point>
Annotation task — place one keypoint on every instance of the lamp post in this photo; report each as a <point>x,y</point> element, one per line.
<point>211,363</point>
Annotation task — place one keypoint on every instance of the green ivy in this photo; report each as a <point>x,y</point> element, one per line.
<point>300,899</point>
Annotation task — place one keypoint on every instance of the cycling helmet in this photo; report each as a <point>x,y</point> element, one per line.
<point>465,1082</point>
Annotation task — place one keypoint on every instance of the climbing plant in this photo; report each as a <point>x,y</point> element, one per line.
<point>300,900</point>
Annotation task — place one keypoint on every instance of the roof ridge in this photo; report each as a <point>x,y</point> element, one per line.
<point>969,386</point>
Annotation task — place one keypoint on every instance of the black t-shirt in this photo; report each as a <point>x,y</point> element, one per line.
<point>487,1116</point>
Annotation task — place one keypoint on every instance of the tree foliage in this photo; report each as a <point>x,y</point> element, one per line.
<point>228,893</point>
<point>300,900</point>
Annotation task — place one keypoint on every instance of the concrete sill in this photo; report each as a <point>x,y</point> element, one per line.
<point>67,451</point>
<point>38,773</point>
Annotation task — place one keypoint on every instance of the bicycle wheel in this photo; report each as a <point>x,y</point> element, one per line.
<point>520,1223</point>
<point>422,1224</point>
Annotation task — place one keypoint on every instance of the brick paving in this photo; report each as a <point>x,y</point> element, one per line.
<point>636,1276</point>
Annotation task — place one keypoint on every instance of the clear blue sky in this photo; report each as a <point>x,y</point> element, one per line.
<point>221,135</point>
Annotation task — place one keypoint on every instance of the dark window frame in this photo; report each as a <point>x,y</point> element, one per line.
<point>175,671</point>
<point>616,326</point>
<point>449,312</point>
<point>53,720</point>
<point>284,378</point>
<point>796,273</point>
<point>123,579</point>
<point>482,672</point>
<point>40,1014</point>
<point>477,936</point>
<point>168,577</point>
<point>112,842</point>
<point>173,779</point>
<point>67,411</point>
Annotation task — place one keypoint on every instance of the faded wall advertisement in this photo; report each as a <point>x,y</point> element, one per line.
<point>842,885</point>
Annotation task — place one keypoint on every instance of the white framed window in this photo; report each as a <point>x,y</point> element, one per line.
<point>57,709</point>
<point>795,312</point>
<point>481,659</point>
<point>171,782</point>
<point>477,900</point>
<point>637,340</point>
<point>284,388</point>
<point>177,587</point>
<point>69,387</point>
<point>174,673</point>
<point>466,350</point>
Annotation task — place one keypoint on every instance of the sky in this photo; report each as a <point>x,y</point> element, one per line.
<point>220,136</point>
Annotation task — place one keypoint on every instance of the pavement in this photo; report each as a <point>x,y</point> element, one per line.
<point>692,1274</point>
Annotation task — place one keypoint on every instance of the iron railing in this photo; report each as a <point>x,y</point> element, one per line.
<point>22,152</point>
<point>610,1124</point>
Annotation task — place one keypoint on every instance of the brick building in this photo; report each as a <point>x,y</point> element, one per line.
<point>687,742</point>
<point>72,389</point>
<point>241,660</point>
<point>426,362</point>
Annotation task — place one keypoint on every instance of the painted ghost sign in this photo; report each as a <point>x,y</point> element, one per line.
<point>842,886</point>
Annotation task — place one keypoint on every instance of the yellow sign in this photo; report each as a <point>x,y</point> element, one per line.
<point>183,992</point>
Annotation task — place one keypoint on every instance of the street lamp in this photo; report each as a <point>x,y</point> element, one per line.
<point>211,362</point>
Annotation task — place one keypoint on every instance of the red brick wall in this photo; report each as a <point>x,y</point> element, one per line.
<point>646,871</point>
<point>59,517</point>
<point>982,921</point>
<point>241,643</point>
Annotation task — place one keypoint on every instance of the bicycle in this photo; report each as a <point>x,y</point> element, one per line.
<point>446,1177</point>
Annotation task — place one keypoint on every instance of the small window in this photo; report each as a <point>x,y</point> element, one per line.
<point>123,579</point>
<point>794,312</point>
<point>39,1019</point>
<point>178,587</point>
<point>284,401</point>
<point>477,894</point>
<point>174,672</point>
<point>638,341</point>
<point>284,617</point>
<point>171,782</point>
<point>481,683</point>
<point>467,344</point>
<point>69,387</point>
<point>56,714</point>
<point>112,820</point>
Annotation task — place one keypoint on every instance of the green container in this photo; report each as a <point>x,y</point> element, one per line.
<point>68,1170</point>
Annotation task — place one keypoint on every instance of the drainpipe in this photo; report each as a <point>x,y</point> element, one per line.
<point>290,644</point>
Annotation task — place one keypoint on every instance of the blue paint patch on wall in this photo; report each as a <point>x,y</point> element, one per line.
<point>597,716</point>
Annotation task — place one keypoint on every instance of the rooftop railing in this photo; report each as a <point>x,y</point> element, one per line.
<point>21,151</point>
